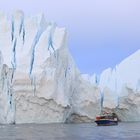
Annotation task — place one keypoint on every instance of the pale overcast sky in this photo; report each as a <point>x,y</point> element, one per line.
<point>101,33</point>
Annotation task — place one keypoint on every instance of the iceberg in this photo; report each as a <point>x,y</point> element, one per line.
<point>39,81</point>
<point>121,88</point>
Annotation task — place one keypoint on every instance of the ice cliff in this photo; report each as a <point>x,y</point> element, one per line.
<point>121,88</point>
<point>39,81</point>
<point>118,89</point>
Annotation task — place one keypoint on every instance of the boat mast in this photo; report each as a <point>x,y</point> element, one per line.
<point>102,101</point>
<point>116,87</point>
<point>101,94</point>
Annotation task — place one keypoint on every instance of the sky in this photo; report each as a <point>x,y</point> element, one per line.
<point>101,33</point>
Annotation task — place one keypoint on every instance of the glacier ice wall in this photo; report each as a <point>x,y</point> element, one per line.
<point>40,83</point>
<point>39,79</point>
<point>121,88</point>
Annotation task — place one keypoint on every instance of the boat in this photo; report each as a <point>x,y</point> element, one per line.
<point>107,119</point>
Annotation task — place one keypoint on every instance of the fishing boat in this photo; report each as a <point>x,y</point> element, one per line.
<point>107,119</point>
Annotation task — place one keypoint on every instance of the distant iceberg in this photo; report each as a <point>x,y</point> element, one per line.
<point>121,87</point>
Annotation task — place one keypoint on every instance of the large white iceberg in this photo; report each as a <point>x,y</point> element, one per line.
<point>40,83</point>
<point>39,80</point>
<point>121,88</point>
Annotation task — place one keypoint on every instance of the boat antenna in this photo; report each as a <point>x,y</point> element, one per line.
<point>102,101</point>
<point>116,87</point>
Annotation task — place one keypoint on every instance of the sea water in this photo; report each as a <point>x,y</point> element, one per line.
<point>124,131</point>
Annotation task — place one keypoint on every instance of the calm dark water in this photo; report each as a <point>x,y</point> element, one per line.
<point>124,131</point>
